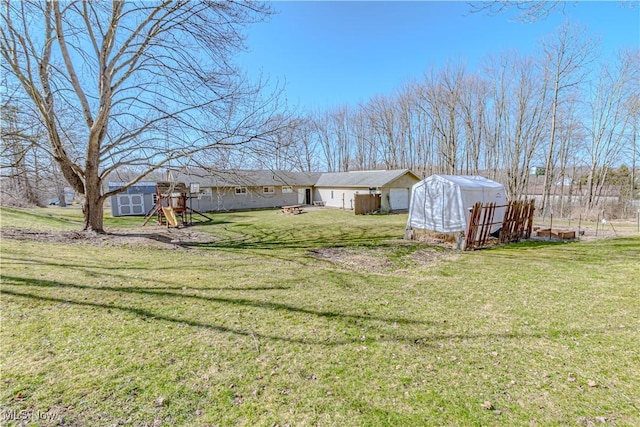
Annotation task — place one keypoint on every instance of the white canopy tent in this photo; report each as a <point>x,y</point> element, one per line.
<point>442,202</point>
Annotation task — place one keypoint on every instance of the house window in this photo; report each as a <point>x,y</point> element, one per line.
<point>287,189</point>
<point>207,192</point>
<point>268,190</point>
<point>241,190</point>
<point>331,194</point>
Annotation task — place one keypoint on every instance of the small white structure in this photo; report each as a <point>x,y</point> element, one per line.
<point>442,202</point>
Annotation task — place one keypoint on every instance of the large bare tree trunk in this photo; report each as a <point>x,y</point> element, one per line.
<point>93,212</point>
<point>130,70</point>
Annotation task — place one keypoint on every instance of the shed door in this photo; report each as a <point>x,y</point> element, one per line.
<point>399,199</point>
<point>131,204</point>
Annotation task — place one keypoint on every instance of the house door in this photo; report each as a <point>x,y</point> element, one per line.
<point>131,204</point>
<point>304,196</point>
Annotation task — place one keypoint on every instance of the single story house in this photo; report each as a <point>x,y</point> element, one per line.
<point>249,189</point>
<point>264,189</point>
<point>339,189</point>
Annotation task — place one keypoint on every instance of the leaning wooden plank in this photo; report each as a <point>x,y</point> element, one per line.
<point>150,215</point>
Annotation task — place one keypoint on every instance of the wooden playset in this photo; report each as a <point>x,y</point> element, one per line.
<point>172,205</point>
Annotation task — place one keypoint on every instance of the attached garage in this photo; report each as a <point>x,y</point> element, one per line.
<point>340,189</point>
<point>399,199</point>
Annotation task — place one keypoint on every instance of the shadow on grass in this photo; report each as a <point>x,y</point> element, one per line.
<point>146,314</point>
<point>100,271</point>
<point>141,289</point>
<point>538,243</point>
<point>543,243</point>
<point>18,281</point>
<point>40,216</point>
<point>153,236</point>
<point>588,252</point>
<point>429,341</point>
<point>195,222</point>
<point>261,239</point>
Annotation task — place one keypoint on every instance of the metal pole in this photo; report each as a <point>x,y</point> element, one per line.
<point>579,225</point>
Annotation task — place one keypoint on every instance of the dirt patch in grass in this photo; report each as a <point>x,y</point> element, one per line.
<point>154,236</point>
<point>380,260</point>
<point>430,257</point>
<point>361,259</point>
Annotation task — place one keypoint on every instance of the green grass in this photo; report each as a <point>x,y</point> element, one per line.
<point>42,219</point>
<point>252,327</point>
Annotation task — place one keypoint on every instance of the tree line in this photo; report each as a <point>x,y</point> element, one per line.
<point>120,90</point>
<point>561,110</point>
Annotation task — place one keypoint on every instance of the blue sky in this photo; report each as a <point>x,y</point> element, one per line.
<point>336,53</point>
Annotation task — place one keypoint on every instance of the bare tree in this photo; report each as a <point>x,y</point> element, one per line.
<point>633,141</point>
<point>423,149</point>
<point>473,109</point>
<point>529,114</point>
<point>15,147</point>
<point>304,146</point>
<point>566,58</point>
<point>21,134</point>
<point>440,98</point>
<point>569,135</point>
<point>610,120</point>
<point>149,82</point>
<point>383,120</point>
<point>365,153</point>
<point>527,10</point>
<point>530,10</point>
<point>323,134</point>
<point>519,107</point>
<point>340,124</point>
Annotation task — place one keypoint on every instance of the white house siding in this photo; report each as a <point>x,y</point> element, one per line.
<point>226,199</point>
<point>343,198</point>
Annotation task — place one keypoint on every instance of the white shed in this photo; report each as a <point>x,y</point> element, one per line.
<point>441,202</point>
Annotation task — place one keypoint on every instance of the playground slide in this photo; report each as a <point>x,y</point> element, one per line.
<point>171,216</point>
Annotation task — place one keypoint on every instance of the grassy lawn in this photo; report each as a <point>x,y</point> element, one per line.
<point>317,319</point>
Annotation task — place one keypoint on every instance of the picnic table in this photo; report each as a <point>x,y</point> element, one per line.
<point>292,210</point>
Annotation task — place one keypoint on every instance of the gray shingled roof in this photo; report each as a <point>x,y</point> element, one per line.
<point>247,178</point>
<point>259,178</point>
<point>368,179</point>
